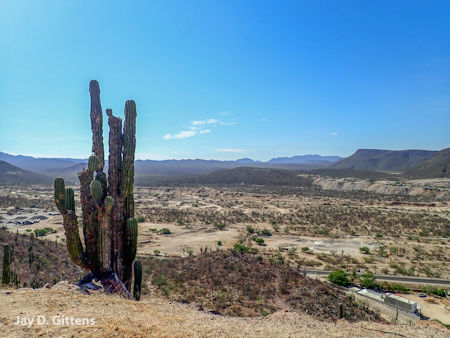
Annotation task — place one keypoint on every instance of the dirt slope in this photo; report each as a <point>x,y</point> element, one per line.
<point>115,316</point>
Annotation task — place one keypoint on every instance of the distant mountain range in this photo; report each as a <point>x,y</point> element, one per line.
<point>383,160</point>
<point>363,163</point>
<point>69,167</point>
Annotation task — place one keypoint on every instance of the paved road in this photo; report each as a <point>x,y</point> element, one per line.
<point>405,279</point>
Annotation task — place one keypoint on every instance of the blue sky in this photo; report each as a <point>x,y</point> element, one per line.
<point>227,79</point>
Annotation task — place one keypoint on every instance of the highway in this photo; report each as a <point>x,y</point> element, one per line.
<point>391,278</point>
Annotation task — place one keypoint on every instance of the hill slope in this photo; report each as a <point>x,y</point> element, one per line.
<point>10,174</point>
<point>383,160</point>
<point>157,317</point>
<point>436,166</point>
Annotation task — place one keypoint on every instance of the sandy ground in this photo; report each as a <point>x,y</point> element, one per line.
<point>433,307</point>
<point>112,316</point>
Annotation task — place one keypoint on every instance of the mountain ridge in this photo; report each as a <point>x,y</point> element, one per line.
<point>383,160</point>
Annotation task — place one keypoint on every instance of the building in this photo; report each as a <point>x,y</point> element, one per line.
<point>400,302</point>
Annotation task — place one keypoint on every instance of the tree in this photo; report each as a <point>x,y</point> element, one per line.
<point>368,280</point>
<point>338,277</point>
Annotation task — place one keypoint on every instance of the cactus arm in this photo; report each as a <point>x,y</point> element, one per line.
<point>96,190</point>
<point>130,248</point>
<point>97,123</point>
<point>93,163</point>
<point>69,199</point>
<point>59,194</point>
<point>129,148</point>
<point>73,241</point>
<point>90,221</point>
<point>137,280</point>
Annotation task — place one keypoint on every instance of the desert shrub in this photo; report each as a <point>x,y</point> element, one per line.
<point>305,249</point>
<point>368,280</point>
<point>364,250</point>
<point>140,219</point>
<point>292,251</point>
<point>394,287</point>
<point>250,229</point>
<point>265,232</point>
<point>219,225</point>
<point>44,231</point>
<point>240,248</point>
<point>393,250</point>
<point>434,291</point>
<point>164,231</point>
<point>259,241</point>
<point>338,277</point>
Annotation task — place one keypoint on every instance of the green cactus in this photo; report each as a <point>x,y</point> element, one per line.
<point>6,275</point>
<point>96,190</point>
<point>341,310</point>
<point>69,199</point>
<point>59,194</point>
<point>131,239</point>
<point>137,280</point>
<point>107,203</point>
<point>93,163</point>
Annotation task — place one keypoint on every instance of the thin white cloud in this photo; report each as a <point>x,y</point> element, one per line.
<point>224,113</point>
<point>181,134</point>
<point>197,127</point>
<point>203,122</point>
<point>231,150</point>
<point>334,133</point>
<point>264,119</point>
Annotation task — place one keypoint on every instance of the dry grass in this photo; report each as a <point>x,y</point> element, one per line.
<point>156,317</point>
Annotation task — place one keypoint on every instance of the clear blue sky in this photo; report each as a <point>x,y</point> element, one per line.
<point>227,79</point>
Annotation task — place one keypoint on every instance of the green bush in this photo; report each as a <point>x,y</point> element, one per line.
<point>140,219</point>
<point>265,232</point>
<point>164,231</point>
<point>434,291</point>
<point>364,250</point>
<point>368,280</point>
<point>44,231</point>
<point>305,248</point>
<point>241,248</point>
<point>259,241</point>
<point>250,229</point>
<point>219,226</point>
<point>338,277</point>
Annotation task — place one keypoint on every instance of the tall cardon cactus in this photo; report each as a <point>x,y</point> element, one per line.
<point>109,227</point>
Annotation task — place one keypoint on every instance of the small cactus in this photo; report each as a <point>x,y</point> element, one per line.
<point>6,275</point>
<point>93,163</point>
<point>137,280</point>
<point>341,310</point>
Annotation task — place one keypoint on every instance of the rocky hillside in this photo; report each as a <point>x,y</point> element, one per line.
<point>436,166</point>
<point>383,160</point>
<point>10,174</point>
